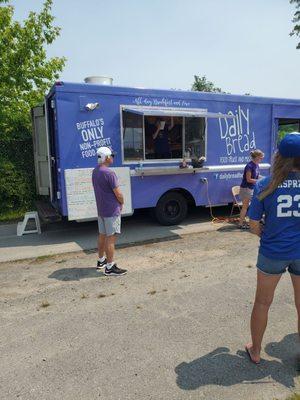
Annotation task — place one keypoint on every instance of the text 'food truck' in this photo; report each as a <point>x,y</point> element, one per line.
<point>152,132</point>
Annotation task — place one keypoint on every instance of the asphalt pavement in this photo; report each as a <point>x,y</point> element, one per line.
<point>70,236</point>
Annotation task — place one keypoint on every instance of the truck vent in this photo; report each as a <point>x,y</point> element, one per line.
<point>99,80</point>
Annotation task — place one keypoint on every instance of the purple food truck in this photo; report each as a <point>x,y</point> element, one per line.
<point>152,131</point>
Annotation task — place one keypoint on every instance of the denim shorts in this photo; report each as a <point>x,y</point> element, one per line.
<point>271,266</point>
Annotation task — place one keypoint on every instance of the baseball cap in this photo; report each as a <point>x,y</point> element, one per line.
<point>104,152</point>
<point>290,145</point>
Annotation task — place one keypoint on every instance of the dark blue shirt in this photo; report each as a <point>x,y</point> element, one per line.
<point>280,238</point>
<point>161,142</point>
<point>254,169</point>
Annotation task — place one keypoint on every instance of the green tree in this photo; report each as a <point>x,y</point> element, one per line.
<point>25,72</point>
<point>296,21</point>
<point>201,84</point>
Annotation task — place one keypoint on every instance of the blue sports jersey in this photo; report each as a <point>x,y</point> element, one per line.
<point>281,235</point>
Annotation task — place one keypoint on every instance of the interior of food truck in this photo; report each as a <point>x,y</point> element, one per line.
<point>162,137</point>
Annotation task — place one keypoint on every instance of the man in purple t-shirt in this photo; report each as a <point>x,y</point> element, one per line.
<point>109,200</point>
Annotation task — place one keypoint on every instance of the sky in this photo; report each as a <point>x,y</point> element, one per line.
<point>242,46</point>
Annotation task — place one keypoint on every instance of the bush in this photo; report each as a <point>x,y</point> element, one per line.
<point>17,182</point>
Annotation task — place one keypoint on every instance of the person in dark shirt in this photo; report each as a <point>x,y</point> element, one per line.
<point>277,197</point>
<point>250,177</point>
<point>161,138</point>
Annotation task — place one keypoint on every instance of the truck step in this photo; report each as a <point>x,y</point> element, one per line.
<point>47,212</point>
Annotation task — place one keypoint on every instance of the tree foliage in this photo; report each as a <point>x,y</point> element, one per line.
<point>296,20</point>
<point>201,84</point>
<point>25,72</point>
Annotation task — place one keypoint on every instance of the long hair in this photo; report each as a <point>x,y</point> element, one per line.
<point>281,168</point>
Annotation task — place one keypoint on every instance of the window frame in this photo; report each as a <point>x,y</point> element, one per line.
<point>156,160</point>
<point>205,137</point>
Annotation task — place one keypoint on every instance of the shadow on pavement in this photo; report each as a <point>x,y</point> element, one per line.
<point>229,227</point>
<point>224,369</point>
<point>75,274</point>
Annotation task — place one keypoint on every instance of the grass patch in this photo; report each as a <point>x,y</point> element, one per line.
<point>45,304</point>
<point>39,258</point>
<point>42,258</point>
<point>61,261</point>
<point>294,397</point>
<point>12,215</point>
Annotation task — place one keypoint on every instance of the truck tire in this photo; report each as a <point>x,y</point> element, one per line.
<point>171,209</point>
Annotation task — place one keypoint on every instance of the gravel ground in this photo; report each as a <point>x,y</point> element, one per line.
<point>173,328</point>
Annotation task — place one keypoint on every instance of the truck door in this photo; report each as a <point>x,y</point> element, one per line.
<point>41,151</point>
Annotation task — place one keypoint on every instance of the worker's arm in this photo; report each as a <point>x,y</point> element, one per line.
<point>119,195</point>
<point>170,127</point>
<point>156,132</point>
<point>249,179</point>
<point>255,227</point>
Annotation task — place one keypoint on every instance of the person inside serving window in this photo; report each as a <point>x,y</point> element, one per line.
<point>161,138</point>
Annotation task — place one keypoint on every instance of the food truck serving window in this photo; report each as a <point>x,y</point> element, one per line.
<point>164,134</point>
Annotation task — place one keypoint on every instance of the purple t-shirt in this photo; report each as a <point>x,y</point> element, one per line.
<point>104,181</point>
<point>254,169</point>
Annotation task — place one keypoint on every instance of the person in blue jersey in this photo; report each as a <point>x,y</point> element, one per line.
<point>277,198</point>
<point>250,177</point>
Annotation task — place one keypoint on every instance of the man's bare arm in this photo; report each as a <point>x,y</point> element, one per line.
<point>119,195</point>
<point>155,134</point>
<point>255,227</point>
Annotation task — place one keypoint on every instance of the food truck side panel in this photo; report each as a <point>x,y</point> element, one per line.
<point>81,132</point>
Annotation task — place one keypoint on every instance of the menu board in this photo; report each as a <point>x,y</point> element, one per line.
<point>81,201</point>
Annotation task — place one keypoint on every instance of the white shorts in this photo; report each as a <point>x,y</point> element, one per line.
<point>245,193</point>
<point>109,225</point>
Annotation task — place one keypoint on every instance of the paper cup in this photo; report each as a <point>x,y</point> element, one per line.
<point>162,124</point>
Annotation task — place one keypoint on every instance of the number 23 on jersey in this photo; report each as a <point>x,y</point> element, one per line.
<point>285,205</point>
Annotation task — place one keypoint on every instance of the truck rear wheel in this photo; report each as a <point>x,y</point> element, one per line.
<point>171,209</point>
